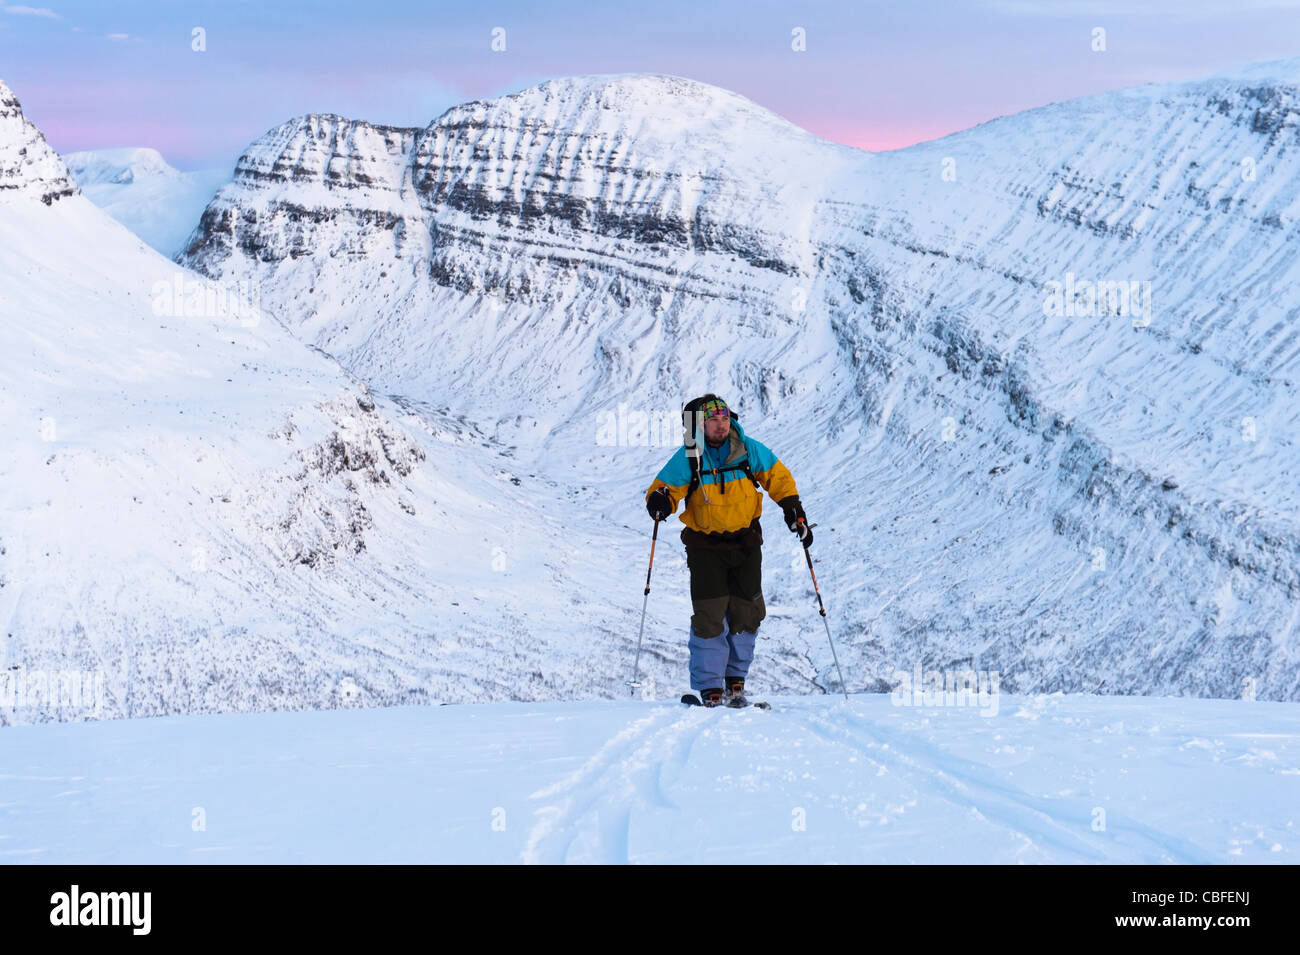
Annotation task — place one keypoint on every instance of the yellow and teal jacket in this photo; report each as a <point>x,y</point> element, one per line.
<point>724,509</point>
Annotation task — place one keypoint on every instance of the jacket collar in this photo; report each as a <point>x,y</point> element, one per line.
<point>736,438</point>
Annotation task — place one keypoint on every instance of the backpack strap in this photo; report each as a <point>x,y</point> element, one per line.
<point>695,482</point>
<point>741,465</point>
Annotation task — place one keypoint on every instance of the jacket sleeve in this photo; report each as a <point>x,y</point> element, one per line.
<point>675,475</point>
<point>771,473</point>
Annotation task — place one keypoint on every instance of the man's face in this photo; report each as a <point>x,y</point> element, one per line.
<point>716,428</point>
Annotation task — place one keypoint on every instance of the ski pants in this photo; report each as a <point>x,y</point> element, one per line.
<point>727,600</point>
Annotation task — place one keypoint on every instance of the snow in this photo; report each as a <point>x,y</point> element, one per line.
<point>1047,779</point>
<point>139,189</point>
<point>202,512</point>
<point>120,166</point>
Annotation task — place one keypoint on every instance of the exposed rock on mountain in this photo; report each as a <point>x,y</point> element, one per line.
<point>28,167</point>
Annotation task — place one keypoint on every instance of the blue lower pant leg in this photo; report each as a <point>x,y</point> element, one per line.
<point>709,656</point>
<point>740,653</point>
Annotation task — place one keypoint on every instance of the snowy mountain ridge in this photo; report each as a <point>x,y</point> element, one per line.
<point>97,167</point>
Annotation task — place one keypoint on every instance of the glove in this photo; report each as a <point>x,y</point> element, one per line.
<point>659,504</point>
<point>796,519</point>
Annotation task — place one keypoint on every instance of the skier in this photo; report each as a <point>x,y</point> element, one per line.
<point>717,472</point>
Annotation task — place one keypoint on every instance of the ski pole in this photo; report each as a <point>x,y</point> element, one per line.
<point>636,669</point>
<point>822,608</point>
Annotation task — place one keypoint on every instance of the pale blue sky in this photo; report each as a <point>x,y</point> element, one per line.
<point>875,75</point>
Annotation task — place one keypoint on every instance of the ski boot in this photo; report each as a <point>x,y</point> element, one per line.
<point>736,692</point>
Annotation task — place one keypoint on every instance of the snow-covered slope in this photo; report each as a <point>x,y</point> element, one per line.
<point>1083,501</point>
<point>1049,779</point>
<point>140,190</point>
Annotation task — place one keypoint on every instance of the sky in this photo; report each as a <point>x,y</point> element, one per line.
<point>877,75</point>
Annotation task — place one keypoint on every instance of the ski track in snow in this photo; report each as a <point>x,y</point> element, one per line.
<point>629,768</point>
<point>811,781</point>
<point>590,814</point>
<point>1041,821</point>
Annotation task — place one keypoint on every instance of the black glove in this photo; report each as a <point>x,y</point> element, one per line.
<point>659,504</point>
<point>796,519</point>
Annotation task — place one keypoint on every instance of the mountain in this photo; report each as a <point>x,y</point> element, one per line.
<point>28,168</point>
<point>140,190</point>
<point>119,167</point>
<point>1036,380</point>
<point>200,513</point>
<point>564,202</point>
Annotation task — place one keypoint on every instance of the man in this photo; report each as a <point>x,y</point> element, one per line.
<point>717,473</point>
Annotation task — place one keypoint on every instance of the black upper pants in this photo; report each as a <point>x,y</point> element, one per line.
<point>726,582</point>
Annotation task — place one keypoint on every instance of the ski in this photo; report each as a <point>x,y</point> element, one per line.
<point>690,699</point>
